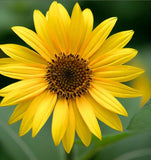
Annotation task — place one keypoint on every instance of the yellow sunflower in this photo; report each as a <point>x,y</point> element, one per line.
<point>74,71</point>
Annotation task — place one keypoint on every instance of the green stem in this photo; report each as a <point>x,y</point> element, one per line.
<point>69,156</point>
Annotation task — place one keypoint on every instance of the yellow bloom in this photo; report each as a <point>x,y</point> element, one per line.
<point>74,71</point>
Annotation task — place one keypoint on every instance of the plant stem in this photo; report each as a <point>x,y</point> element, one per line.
<point>69,156</point>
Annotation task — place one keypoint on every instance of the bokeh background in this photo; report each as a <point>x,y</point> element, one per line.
<point>134,15</point>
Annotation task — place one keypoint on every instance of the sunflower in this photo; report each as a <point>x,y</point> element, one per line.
<point>74,71</point>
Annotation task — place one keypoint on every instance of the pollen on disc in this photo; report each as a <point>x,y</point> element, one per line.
<point>68,76</point>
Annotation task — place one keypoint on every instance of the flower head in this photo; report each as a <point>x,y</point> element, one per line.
<point>74,71</point>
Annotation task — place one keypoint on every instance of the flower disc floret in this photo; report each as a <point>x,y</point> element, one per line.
<point>68,76</point>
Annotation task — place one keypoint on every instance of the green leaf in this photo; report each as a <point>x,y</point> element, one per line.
<point>26,148</point>
<point>142,119</point>
<point>136,147</point>
<point>107,140</point>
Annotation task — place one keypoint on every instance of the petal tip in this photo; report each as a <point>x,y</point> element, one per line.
<point>87,144</point>
<point>120,127</point>
<point>33,134</point>
<point>56,139</point>
<point>67,149</point>
<point>20,134</point>
<point>142,71</point>
<point>100,137</point>
<point>135,51</point>
<point>114,18</point>
<point>56,142</point>
<point>77,6</point>
<point>10,122</point>
<point>125,113</point>
<point>130,32</point>
<point>36,11</point>
<point>35,131</point>
<point>139,93</point>
<point>54,3</point>
<point>15,28</point>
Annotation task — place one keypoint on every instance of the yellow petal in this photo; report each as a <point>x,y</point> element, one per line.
<point>47,14</point>
<point>68,138</point>
<point>42,29</point>
<point>22,54</point>
<point>65,18</point>
<point>25,127</point>
<point>81,128</point>
<point>87,113</point>
<point>20,85</point>
<point>116,57</point>
<point>76,30</point>
<point>33,40</point>
<point>106,100</point>
<point>58,20</point>
<point>27,121</point>
<point>116,41</point>
<point>19,112</point>
<point>143,84</point>
<point>44,109</point>
<point>22,90</point>
<point>117,89</point>
<point>88,21</point>
<point>21,71</point>
<point>98,36</point>
<point>59,120</point>
<point>4,61</point>
<point>109,118</point>
<point>120,73</point>
<point>4,91</point>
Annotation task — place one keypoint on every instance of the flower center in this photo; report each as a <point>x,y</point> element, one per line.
<point>68,76</point>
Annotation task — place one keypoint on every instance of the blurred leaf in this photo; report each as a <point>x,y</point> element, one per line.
<point>134,147</point>
<point>3,154</point>
<point>113,138</point>
<point>18,146</point>
<point>142,119</point>
<point>26,148</point>
<point>107,140</point>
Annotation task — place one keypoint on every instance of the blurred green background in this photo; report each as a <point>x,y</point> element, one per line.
<point>134,15</point>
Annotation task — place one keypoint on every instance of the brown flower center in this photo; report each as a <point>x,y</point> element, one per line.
<point>68,76</point>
